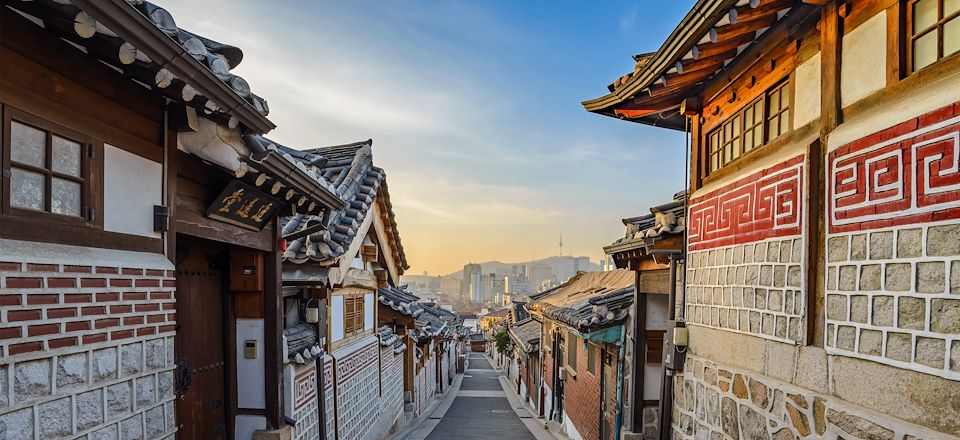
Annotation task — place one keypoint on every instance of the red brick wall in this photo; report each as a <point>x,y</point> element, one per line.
<point>51,306</point>
<point>581,396</point>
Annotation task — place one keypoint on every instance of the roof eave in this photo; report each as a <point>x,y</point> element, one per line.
<point>299,180</point>
<point>701,17</point>
<point>135,28</point>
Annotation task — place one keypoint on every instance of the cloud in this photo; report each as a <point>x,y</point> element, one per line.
<point>628,19</point>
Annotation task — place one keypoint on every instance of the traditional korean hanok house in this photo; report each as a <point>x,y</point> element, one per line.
<point>141,262</point>
<point>334,263</point>
<point>495,320</point>
<point>399,309</point>
<point>822,258</point>
<point>429,332</point>
<point>448,345</point>
<point>652,247</point>
<point>583,343</point>
<point>525,336</point>
<point>478,342</point>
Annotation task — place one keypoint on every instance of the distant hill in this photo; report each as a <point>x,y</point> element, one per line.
<point>563,266</point>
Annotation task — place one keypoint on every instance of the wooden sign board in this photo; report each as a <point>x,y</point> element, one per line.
<point>244,206</point>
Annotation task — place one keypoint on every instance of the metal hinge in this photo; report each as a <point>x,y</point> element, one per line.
<point>181,377</point>
<point>7,173</point>
<point>89,214</point>
<point>90,150</point>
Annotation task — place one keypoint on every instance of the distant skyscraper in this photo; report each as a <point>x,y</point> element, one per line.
<point>468,271</point>
<point>561,243</point>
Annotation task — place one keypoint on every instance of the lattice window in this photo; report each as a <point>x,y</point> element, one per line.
<point>933,31</point>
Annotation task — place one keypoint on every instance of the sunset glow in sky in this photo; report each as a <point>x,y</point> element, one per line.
<point>474,109</point>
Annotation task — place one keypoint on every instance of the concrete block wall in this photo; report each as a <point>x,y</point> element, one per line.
<point>87,344</point>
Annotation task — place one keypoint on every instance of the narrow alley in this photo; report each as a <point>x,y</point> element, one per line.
<point>479,410</point>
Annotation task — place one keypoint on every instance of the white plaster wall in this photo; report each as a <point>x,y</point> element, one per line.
<point>336,318</point>
<point>569,429</point>
<point>50,253</point>
<point>250,372</point>
<point>863,68</point>
<point>245,426</point>
<point>924,97</point>
<point>652,377</point>
<point>132,185</point>
<point>806,91</point>
<point>656,312</point>
<point>368,310</point>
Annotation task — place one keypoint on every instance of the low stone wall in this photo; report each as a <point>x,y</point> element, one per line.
<point>713,401</point>
<point>86,343</point>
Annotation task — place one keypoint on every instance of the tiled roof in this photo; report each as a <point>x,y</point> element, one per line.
<point>665,219</point>
<point>588,300</point>
<point>526,334</point>
<point>80,27</point>
<point>401,301</point>
<point>302,343</point>
<point>350,170</point>
<point>429,324</point>
<point>388,338</point>
<point>499,313</point>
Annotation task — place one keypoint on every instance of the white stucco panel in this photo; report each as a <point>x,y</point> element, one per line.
<point>863,69</point>
<point>806,93</point>
<point>132,185</point>
<point>250,371</point>
<point>368,309</point>
<point>336,318</point>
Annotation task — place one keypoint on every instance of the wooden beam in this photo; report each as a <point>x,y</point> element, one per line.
<point>831,30</point>
<point>895,45</point>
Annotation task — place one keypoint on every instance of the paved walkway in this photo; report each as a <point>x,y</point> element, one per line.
<point>480,410</point>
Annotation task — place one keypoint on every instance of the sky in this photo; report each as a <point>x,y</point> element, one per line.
<point>474,110</point>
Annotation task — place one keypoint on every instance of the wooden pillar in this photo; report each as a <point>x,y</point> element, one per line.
<point>273,331</point>
<point>831,37</point>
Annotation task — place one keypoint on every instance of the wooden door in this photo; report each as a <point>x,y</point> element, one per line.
<point>201,410</point>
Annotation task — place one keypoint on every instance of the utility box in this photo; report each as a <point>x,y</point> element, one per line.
<point>675,345</point>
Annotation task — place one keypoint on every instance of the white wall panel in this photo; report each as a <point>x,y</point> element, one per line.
<point>132,185</point>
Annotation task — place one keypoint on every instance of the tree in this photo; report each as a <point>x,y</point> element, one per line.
<point>502,341</point>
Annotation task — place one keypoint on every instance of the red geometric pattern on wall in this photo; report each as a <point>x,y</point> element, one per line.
<point>765,204</point>
<point>355,362</point>
<point>905,174</point>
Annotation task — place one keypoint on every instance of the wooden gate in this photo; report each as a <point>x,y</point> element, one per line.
<point>201,366</point>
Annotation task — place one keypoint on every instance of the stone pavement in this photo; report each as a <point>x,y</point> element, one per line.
<point>480,409</point>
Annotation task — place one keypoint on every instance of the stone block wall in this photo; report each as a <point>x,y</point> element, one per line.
<point>713,401</point>
<point>751,288</point>
<point>329,407</point>
<point>893,246</point>
<point>425,381</point>
<point>391,396</point>
<point>357,385</point>
<point>87,349</point>
<point>746,255</point>
<point>301,401</point>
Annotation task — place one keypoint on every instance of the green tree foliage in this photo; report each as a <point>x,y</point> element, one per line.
<point>502,341</point>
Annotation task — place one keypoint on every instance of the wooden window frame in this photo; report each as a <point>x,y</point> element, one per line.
<point>715,141</point>
<point>353,314</point>
<point>910,37</point>
<point>571,352</point>
<point>592,354</point>
<point>88,190</point>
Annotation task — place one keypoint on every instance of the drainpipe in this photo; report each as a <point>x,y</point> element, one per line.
<point>620,357</point>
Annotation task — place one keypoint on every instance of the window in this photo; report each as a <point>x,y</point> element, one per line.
<point>934,29</point>
<point>778,111</point>
<point>48,167</point>
<point>353,315</point>
<point>572,352</point>
<point>592,358</point>
<point>756,124</point>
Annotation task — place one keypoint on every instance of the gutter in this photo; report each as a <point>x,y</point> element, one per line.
<point>136,29</point>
